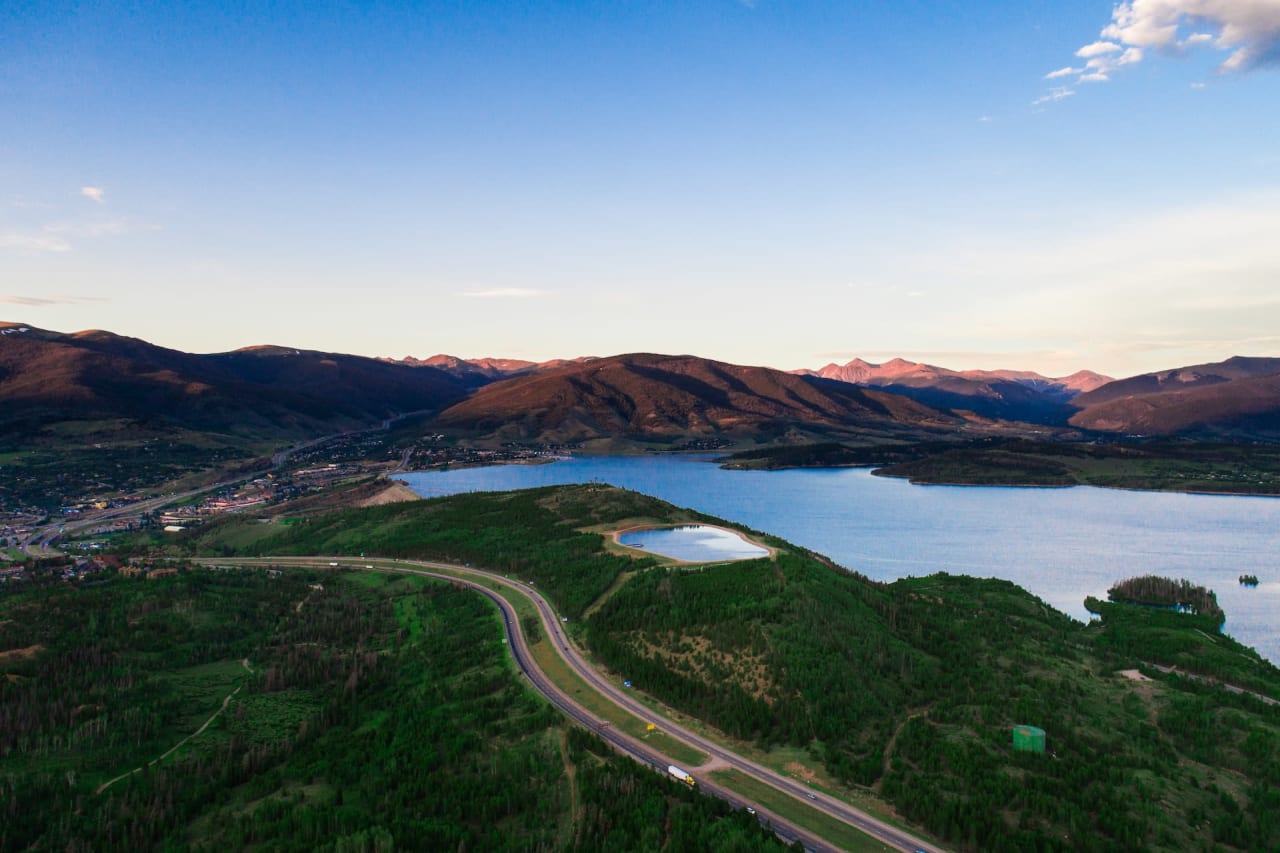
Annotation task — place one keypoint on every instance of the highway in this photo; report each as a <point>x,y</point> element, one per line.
<point>889,835</point>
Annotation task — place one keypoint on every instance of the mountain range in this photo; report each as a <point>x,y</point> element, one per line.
<point>1015,395</point>
<point>281,392</point>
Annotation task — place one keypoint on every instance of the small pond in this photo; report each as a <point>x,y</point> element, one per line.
<point>693,543</point>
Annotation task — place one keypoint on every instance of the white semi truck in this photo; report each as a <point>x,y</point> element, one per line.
<point>677,773</point>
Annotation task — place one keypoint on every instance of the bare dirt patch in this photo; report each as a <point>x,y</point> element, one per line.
<point>395,493</point>
<point>795,768</point>
<point>1133,675</point>
<point>16,655</point>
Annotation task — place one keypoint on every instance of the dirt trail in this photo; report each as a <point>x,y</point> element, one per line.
<point>153,762</point>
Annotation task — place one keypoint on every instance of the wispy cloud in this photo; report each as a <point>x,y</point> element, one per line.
<point>97,194</point>
<point>1212,347</point>
<point>41,301</point>
<point>100,228</point>
<point>504,293</point>
<point>64,236</point>
<point>1057,93</point>
<point>34,241</point>
<point>1247,30</point>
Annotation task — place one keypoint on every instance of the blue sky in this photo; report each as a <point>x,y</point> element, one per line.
<point>780,183</point>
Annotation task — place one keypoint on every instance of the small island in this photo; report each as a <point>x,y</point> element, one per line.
<point>1248,580</point>
<point>1179,595</point>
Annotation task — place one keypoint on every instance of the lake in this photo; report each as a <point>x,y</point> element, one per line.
<point>693,543</point>
<point>1060,544</point>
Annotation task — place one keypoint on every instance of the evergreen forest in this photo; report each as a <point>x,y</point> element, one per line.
<point>344,712</point>
<point>1161,731</point>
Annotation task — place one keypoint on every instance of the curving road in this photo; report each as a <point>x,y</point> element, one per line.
<point>889,835</point>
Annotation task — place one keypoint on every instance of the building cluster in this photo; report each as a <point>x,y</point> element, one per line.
<point>147,572</point>
<point>45,570</point>
<point>441,457</point>
<point>16,526</point>
<point>264,490</point>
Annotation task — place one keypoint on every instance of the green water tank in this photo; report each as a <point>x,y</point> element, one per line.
<point>1028,739</point>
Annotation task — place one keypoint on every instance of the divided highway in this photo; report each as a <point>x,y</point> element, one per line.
<point>889,835</point>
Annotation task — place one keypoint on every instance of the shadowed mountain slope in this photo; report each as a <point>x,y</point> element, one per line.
<point>1239,408</point>
<point>1181,379</point>
<point>50,376</point>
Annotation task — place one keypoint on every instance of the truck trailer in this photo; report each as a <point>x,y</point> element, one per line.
<point>677,773</point>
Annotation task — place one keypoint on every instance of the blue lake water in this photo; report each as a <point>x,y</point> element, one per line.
<point>693,543</point>
<point>1060,544</point>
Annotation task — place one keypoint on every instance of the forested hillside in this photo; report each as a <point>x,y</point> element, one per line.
<point>358,713</point>
<point>908,690</point>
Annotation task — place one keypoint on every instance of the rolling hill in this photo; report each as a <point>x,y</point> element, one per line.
<point>661,398</point>
<point>1237,399</point>
<point>1181,379</point>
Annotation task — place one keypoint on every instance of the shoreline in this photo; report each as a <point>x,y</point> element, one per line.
<point>875,469</point>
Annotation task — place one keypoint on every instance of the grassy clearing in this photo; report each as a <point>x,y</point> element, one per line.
<point>567,680</point>
<point>204,687</point>
<point>806,817</point>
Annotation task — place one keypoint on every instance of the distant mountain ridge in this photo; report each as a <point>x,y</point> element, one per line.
<point>481,371</point>
<point>1016,395</point>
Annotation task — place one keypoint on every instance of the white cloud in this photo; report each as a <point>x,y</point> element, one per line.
<point>504,293</point>
<point>1248,29</point>
<point>1131,55</point>
<point>1098,48</point>
<point>97,194</point>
